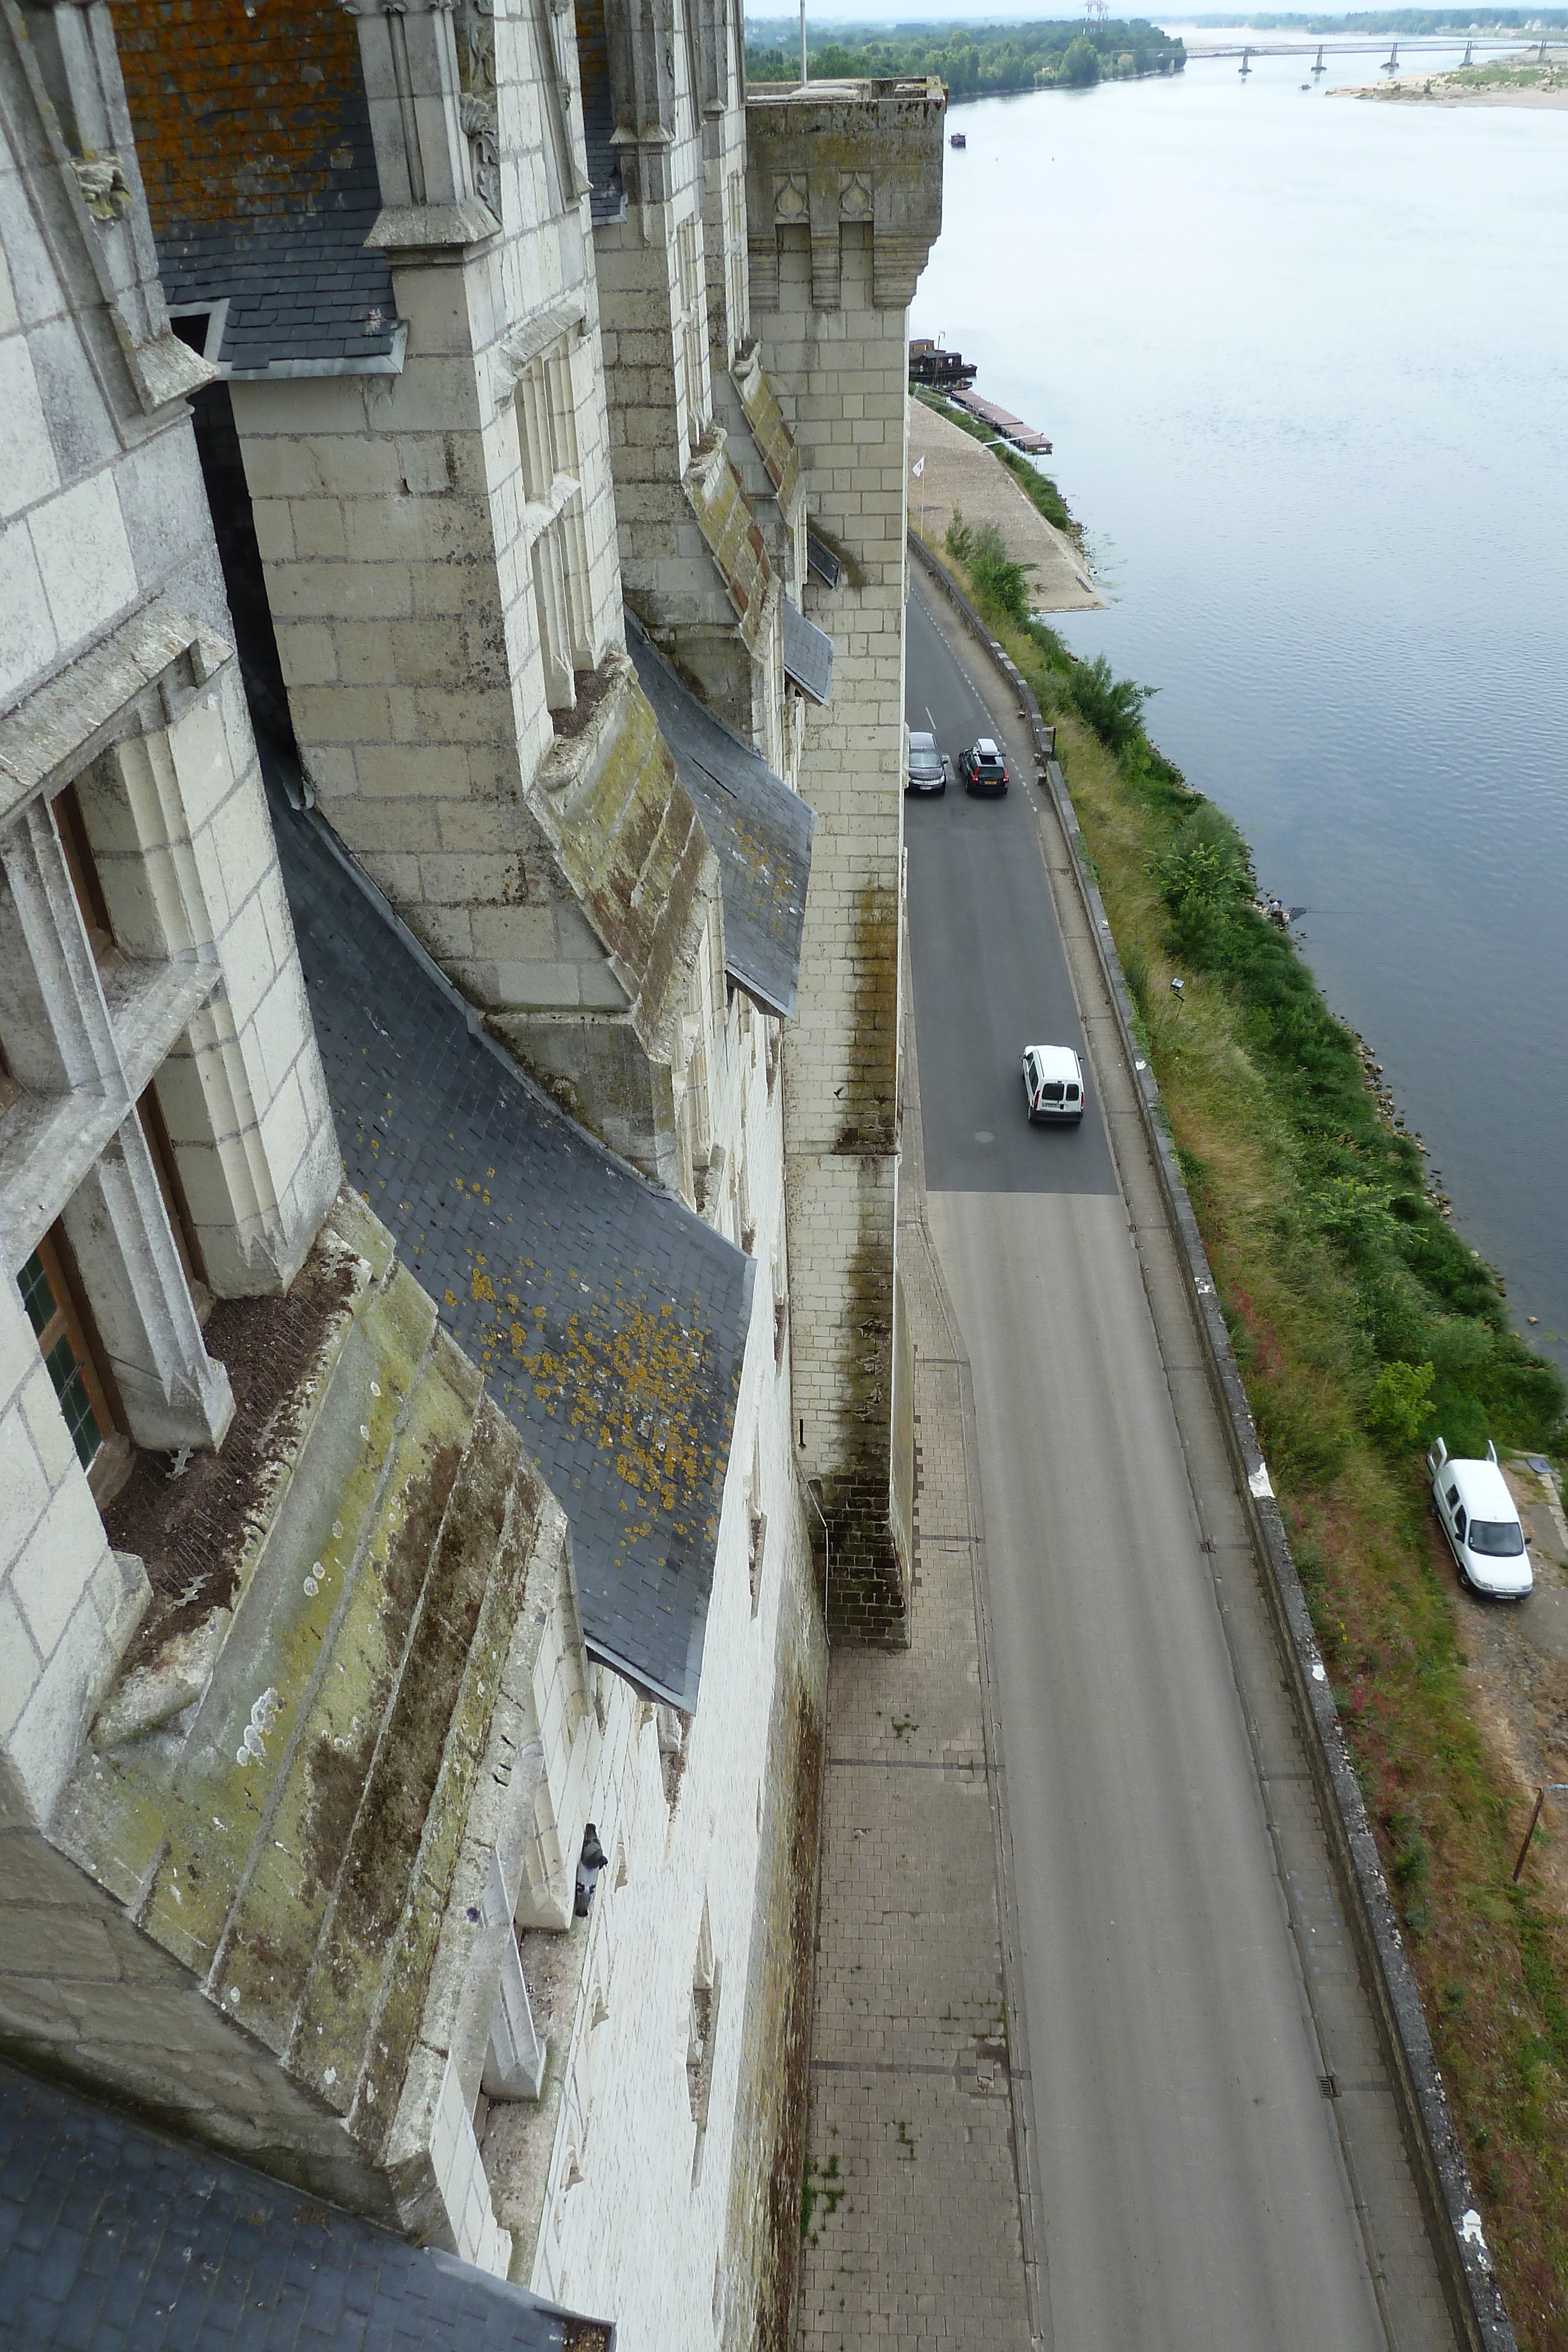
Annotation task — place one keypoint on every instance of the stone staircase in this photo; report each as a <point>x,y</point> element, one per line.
<point>290,1833</point>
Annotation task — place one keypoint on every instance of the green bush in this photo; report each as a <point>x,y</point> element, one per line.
<point>1080,65</point>
<point>1400,1406</point>
<point>1206,861</point>
<point>998,581</point>
<point>1111,706</point>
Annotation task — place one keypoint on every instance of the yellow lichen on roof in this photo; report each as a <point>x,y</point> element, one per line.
<point>633,1376</point>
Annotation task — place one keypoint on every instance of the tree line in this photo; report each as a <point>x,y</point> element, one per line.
<point>974,61</point>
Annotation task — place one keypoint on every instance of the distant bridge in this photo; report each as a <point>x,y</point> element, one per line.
<point>1353,48</point>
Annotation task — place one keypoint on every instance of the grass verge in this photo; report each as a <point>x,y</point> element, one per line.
<point>1364,1325</point>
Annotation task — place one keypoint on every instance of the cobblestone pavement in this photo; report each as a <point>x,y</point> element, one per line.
<point>914,2234</point>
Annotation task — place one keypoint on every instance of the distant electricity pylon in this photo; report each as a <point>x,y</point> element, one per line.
<point>1096,11</point>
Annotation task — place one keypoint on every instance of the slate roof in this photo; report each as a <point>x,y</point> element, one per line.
<point>760,828</point>
<point>608,1320</point>
<point>808,654</point>
<point>300,289</point>
<point>116,2238</point>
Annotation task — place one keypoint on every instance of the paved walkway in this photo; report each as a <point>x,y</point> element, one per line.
<point>915,2234</point>
<point>961,472</point>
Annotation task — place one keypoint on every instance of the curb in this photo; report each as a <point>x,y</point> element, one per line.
<point>1469,2283</point>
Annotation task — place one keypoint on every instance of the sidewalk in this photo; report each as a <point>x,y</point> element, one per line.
<point>914,2235</point>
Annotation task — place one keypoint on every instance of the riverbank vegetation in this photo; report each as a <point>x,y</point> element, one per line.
<point>1363,1326</point>
<point>974,60</point>
<point>1039,488</point>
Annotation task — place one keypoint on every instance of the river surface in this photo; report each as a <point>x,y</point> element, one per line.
<point>1304,361</point>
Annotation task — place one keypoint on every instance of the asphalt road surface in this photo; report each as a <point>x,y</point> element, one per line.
<point>1194,2195</point>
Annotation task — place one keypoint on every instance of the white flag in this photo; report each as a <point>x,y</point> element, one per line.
<point>918,468</point>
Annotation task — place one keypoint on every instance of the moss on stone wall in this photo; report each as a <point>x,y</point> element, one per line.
<point>762,2224</point>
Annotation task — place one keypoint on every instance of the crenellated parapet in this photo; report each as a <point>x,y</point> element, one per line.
<point>837,155</point>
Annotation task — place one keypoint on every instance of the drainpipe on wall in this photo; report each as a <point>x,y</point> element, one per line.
<point>811,1497</point>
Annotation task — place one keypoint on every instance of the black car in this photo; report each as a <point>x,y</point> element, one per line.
<point>983,767</point>
<point>929,769</point>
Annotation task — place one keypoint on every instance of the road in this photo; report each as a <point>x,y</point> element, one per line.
<point>1195,2183</point>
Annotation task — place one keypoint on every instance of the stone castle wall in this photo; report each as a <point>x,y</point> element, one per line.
<point>148,974</point>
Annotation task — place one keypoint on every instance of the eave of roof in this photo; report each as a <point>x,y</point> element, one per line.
<point>608,1320</point>
<point>761,830</point>
<point>115,2238</point>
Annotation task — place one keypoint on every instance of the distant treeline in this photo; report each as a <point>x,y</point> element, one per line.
<point>974,60</point>
<point>1397,20</point>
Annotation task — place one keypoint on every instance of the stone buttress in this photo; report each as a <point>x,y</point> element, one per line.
<point>844,200</point>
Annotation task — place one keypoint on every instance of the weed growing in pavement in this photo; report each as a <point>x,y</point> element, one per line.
<point>1362,1325</point>
<point>822,2184</point>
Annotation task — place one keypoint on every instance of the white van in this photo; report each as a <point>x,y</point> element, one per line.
<point>1478,1515</point>
<point>1053,1083</point>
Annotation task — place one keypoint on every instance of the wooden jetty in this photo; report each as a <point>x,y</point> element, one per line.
<point>1009,428</point>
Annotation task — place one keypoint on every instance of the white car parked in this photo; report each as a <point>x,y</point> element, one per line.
<point>1477,1514</point>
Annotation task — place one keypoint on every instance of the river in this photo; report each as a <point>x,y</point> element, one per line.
<point>1304,361</point>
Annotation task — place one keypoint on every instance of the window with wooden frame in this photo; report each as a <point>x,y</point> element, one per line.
<point>82,867</point>
<point>166,1168</point>
<point>56,1309</point>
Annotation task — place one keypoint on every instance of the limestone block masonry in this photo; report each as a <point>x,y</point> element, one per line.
<point>843,201</point>
<point>390,1699</point>
<point>164,1133</point>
